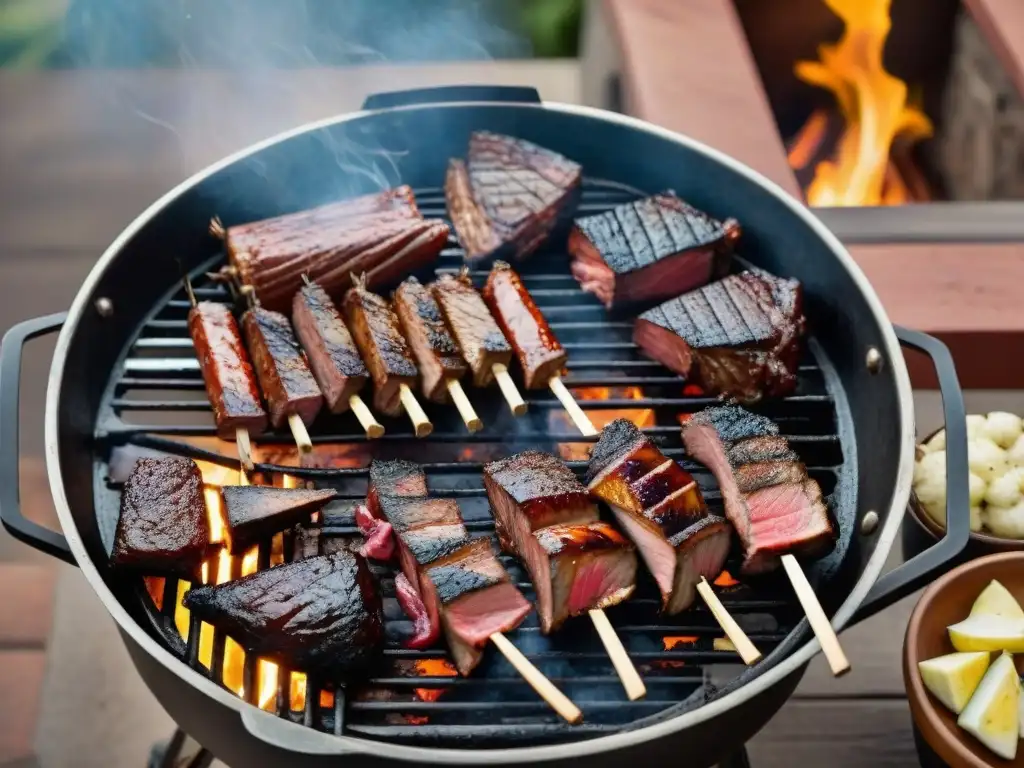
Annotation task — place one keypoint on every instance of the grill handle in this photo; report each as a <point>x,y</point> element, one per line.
<point>291,737</point>
<point>448,93</point>
<point>918,571</point>
<point>20,527</point>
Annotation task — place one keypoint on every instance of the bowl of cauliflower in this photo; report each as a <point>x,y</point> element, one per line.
<point>995,457</point>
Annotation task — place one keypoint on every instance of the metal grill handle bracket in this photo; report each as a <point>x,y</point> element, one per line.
<point>916,572</point>
<point>19,526</point>
<point>448,93</point>
<point>292,737</point>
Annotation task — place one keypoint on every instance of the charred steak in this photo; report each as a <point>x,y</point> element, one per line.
<point>478,336</point>
<point>429,339</point>
<point>253,512</point>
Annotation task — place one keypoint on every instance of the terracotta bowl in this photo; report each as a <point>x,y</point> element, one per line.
<point>947,601</point>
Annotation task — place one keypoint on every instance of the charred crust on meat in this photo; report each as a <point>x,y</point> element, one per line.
<point>733,423</point>
<point>615,439</point>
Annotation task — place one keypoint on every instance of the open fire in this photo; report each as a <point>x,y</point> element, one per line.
<point>869,163</point>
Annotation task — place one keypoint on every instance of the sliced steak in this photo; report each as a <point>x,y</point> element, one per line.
<point>330,350</point>
<point>660,507</point>
<point>380,540</point>
<point>383,235</point>
<point>509,195</point>
<point>774,506</point>
<point>163,525</point>
<point>649,250</point>
<point>480,340</point>
<point>394,478</point>
<point>731,337</point>
<point>540,353</point>
<point>429,339</point>
<point>285,378</point>
<point>227,372</point>
<point>252,512</point>
<point>377,335</point>
<point>321,615</point>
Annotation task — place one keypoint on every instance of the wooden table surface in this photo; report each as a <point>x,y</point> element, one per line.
<point>82,153</point>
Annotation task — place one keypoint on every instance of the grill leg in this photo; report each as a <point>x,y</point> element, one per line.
<point>182,751</point>
<point>738,759</point>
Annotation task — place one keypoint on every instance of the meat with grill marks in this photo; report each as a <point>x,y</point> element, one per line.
<point>539,351</point>
<point>383,235</point>
<point>227,372</point>
<point>162,527</point>
<point>660,507</point>
<point>377,334</point>
<point>774,505</point>
<point>509,195</point>
<point>252,513</point>
<point>321,615</point>
<point>284,376</point>
<point>330,350</point>
<point>740,337</point>
<point>649,250</point>
<point>463,588</point>
<point>429,339</point>
<point>544,516</point>
<point>480,340</point>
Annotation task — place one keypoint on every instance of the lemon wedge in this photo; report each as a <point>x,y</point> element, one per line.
<point>992,715</point>
<point>996,600</point>
<point>953,678</point>
<point>988,633</point>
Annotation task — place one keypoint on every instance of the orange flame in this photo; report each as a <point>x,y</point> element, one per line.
<point>725,579</point>
<point>874,105</point>
<point>672,642</point>
<point>433,668</point>
<point>600,418</point>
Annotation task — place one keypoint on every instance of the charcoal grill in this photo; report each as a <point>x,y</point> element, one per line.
<point>125,379</point>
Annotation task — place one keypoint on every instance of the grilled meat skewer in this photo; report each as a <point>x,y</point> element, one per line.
<point>288,386</point>
<point>376,333</point>
<point>252,512</point>
<point>227,374</point>
<point>332,354</point>
<point>432,345</point>
<point>540,354</point>
<point>577,564</point>
<point>477,335</point>
<point>321,615</point>
<point>777,510</point>
<point>163,526</point>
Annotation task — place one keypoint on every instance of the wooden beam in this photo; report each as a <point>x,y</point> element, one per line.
<point>1002,22</point>
<point>687,67</point>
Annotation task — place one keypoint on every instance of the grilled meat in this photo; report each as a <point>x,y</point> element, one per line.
<point>330,351</point>
<point>394,478</point>
<point>429,339</point>
<point>383,235</point>
<point>227,373</point>
<point>739,337</point>
<point>774,506</point>
<point>380,541</point>
<point>321,615</point>
<point>509,195</point>
<point>539,352</point>
<point>253,512</point>
<point>284,376</point>
<point>661,508</point>
<point>375,330</point>
<point>163,527</point>
<point>479,339</point>
<point>424,633</point>
<point>649,250</point>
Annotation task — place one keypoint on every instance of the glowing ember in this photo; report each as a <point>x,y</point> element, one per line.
<point>875,108</point>
<point>725,579</point>
<point>673,642</point>
<point>155,588</point>
<point>433,668</point>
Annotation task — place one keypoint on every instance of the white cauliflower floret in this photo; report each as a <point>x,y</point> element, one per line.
<point>976,425</point>
<point>930,485</point>
<point>985,459</point>
<point>1002,428</point>
<point>978,488</point>
<point>1005,491</point>
<point>976,519</point>
<point>937,443</point>
<point>929,464</point>
<point>1007,522</point>
<point>1016,453</point>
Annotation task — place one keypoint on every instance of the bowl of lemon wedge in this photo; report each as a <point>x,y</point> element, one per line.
<point>962,654</point>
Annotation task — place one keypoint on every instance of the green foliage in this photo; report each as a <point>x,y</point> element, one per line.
<point>553,26</point>
<point>30,31</point>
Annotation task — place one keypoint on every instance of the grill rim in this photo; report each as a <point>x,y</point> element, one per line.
<point>313,742</point>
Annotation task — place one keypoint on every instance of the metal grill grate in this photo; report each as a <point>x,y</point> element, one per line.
<point>156,402</point>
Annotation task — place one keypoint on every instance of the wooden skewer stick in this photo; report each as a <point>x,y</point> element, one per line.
<point>366,418</point>
<point>244,449</point>
<point>547,690</point>
<point>300,434</point>
<point>466,411</point>
<point>509,389</point>
<point>830,646</point>
<point>419,419</point>
<point>635,688</point>
<point>746,649</point>
<point>576,413</point>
